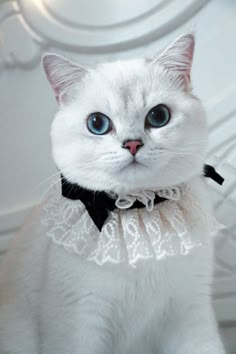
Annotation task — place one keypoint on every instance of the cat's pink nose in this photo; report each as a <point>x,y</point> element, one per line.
<point>132,145</point>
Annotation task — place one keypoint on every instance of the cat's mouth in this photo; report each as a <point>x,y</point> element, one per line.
<point>133,164</point>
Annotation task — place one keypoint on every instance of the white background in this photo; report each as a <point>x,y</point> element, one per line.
<point>91,32</point>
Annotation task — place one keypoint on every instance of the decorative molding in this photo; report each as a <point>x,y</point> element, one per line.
<point>28,27</point>
<point>222,150</point>
<point>10,224</point>
<point>13,220</point>
<point>8,8</point>
<point>20,46</point>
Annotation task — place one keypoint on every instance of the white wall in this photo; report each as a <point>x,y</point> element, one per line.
<point>91,32</point>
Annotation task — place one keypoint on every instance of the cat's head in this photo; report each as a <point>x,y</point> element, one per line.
<point>128,125</point>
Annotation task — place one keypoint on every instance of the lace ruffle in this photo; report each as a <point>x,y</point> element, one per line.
<point>127,236</point>
<point>147,197</point>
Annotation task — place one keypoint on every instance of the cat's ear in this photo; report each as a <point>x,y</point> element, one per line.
<point>62,75</point>
<point>178,56</point>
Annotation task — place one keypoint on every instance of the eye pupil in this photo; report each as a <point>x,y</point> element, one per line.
<point>98,123</point>
<point>157,117</point>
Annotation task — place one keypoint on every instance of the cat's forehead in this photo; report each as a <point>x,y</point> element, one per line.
<point>122,70</point>
<point>131,80</point>
<point>124,88</point>
<point>122,77</point>
<point>119,83</point>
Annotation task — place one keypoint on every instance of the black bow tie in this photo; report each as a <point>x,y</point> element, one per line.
<point>98,204</point>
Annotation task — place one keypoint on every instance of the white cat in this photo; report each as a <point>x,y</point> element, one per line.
<point>134,130</point>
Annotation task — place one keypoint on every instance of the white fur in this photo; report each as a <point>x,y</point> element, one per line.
<point>52,302</point>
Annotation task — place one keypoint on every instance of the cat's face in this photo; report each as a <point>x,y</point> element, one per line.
<point>127,145</point>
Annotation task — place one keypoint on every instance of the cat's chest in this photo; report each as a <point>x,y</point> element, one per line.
<point>124,291</point>
<point>131,304</point>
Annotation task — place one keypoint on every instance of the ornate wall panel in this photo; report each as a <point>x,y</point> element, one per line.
<point>91,27</point>
<point>222,152</point>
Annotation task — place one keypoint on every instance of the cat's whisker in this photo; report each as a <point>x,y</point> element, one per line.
<point>157,157</point>
<point>45,180</point>
<point>110,159</point>
<point>179,151</point>
<point>197,143</point>
<point>108,162</point>
<point>59,180</point>
<point>53,184</point>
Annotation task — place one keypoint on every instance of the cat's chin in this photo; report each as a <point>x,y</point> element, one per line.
<point>137,177</point>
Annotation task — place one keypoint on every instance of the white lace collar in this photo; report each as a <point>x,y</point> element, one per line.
<point>157,231</point>
<point>146,197</point>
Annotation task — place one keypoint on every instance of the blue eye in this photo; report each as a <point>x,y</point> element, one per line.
<point>98,123</point>
<point>157,117</point>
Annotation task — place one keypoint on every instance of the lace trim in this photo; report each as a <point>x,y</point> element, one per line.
<point>147,197</point>
<point>168,229</point>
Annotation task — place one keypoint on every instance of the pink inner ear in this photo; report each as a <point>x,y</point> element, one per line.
<point>178,55</point>
<point>62,75</point>
<point>53,82</point>
<point>189,55</point>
